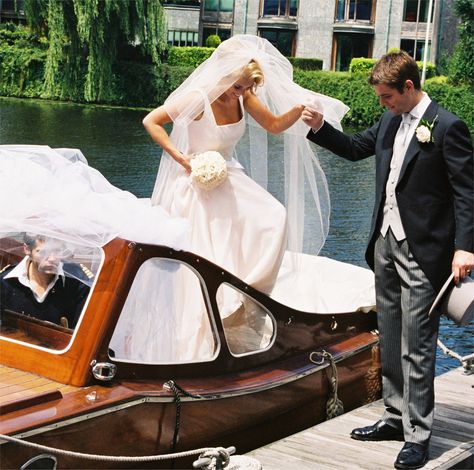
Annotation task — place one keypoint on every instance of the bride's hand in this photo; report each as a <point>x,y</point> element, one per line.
<point>184,161</point>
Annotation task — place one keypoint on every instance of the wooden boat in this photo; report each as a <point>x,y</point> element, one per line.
<point>64,389</point>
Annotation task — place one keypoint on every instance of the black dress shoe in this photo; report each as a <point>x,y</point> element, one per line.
<point>412,455</point>
<point>380,431</point>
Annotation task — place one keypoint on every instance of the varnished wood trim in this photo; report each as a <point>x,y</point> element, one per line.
<point>23,403</point>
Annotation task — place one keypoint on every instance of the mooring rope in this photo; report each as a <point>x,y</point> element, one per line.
<point>176,389</point>
<point>115,458</point>
<point>334,406</point>
<point>466,361</point>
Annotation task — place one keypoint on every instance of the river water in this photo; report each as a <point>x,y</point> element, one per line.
<point>115,143</point>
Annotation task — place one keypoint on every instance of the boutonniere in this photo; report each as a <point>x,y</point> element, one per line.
<point>424,130</point>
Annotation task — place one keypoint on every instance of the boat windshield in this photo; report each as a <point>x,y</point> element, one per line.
<point>45,283</point>
<point>167,318</point>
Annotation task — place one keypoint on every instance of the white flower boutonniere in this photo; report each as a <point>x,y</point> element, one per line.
<point>424,131</point>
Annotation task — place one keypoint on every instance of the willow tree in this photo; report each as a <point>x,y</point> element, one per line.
<point>85,37</point>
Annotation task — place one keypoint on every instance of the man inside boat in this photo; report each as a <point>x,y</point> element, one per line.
<point>44,285</point>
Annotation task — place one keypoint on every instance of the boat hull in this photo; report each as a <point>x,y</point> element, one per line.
<point>244,419</point>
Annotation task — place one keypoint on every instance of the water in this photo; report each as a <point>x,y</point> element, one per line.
<point>114,142</point>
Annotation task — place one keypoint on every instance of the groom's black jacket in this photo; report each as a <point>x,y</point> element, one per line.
<point>435,191</point>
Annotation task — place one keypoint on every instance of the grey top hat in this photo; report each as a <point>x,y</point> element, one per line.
<point>455,301</point>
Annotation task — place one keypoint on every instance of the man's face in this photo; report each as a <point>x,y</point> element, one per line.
<point>45,255</point>
<point>395,101</point>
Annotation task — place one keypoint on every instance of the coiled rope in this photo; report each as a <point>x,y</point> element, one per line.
<point>334,406</point>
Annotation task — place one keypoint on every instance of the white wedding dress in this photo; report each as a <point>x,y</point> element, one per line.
<point>237,225</point>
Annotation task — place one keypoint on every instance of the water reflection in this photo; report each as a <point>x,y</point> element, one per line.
<point>115,143</point>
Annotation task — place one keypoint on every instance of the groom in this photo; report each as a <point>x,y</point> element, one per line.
<point>422,229</point>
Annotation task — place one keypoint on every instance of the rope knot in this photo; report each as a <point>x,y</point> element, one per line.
<point>214,459</point>
<point>334,406</point>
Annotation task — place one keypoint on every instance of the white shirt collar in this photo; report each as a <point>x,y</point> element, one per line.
<point>20,271</point>
<point>420,109</point>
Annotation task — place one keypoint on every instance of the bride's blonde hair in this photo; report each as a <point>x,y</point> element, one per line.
<point>252,71</point>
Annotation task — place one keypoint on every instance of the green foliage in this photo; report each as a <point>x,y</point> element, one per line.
<point>430,68</point>
<point>361,65</point>
<point>21,71</point>
<point>351,89</point>
<point>462,66</point>
<point>392,50</point>
<point>145,84</point>
<point>365,65</point>
<point>84,37</point>
<point>213,41</point>
<point>22,59</point>
<point>134,84</point>
<point>306,64</point>
<point>188,56</point>
<point>455,98</point>
<point>12,34</point>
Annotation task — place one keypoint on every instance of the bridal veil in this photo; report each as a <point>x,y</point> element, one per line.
<point>297,177</point>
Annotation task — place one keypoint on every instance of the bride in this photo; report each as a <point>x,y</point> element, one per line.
<point>238,225</point>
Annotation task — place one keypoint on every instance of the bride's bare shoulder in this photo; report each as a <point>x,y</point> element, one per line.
<point>190,105</point>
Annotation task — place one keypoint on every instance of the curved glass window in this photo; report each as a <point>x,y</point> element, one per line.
<point>45,284</point>
<point>248,326</point>
<point>166,317</point>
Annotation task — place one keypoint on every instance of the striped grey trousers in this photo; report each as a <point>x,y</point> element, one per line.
<point>407,338</point>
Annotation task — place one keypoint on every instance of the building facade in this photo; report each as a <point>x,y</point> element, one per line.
<point>332,30</point>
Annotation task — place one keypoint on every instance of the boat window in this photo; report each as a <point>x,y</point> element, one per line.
<point>45,283</point>
<point>165,318</point>
<point>248,326</point>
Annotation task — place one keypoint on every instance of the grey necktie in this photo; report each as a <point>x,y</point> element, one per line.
<point>406,122</point>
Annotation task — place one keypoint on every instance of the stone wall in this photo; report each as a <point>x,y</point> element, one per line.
<point>315,25</point>
<point>182,18</point>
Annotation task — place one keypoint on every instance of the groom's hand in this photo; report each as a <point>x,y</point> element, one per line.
<point>312,118</point>
<point>463,263</point>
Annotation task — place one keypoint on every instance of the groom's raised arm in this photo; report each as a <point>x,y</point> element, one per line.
<point>351,147</point>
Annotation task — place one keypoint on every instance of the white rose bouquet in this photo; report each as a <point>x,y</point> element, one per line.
<point>208,170</point>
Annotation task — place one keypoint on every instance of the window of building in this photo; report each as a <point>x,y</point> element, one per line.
<point>219,5</point>
<point>416,11</point>
<point>416,48</point>
<point>223,33</point>
<point>282,39</point>
<point>279,7</point>
<point>354,10</point>
<point>182,38</point>
<point>184,3</point>
<point>348,46</point>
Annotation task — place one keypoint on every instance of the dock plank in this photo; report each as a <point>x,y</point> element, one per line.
<point>328,445</point>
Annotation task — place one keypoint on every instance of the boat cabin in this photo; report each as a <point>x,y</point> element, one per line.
<point>93,348</point>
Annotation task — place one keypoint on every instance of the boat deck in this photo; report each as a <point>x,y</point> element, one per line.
<point>328,445</point>
<point>18,386</point>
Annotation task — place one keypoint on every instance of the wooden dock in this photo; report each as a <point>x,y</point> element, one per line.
<point>328,445</point>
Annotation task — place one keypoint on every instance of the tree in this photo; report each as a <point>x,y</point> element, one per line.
<point>462,67</point>
<point>85,37</point>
